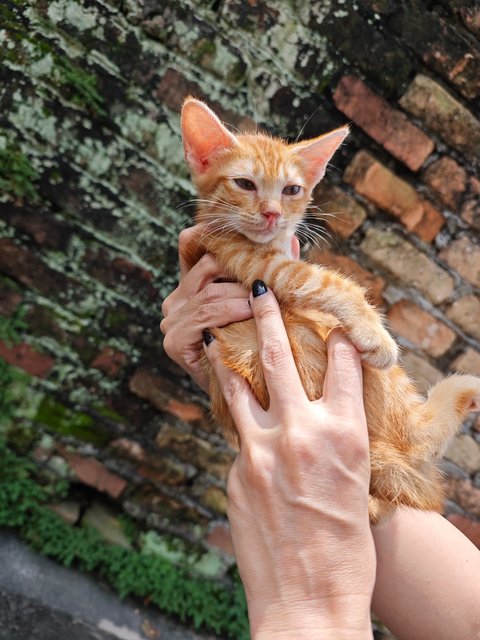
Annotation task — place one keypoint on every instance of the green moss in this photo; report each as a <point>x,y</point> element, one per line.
<point>79,425</point>
<point>81,84</point>
<point>17,176</point>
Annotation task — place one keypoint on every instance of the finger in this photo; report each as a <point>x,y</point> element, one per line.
<point>186,237</point>
<point>201,313</point>
<point>279,368</point>
<point>206,271</point>
<point>343,385</point>
<point>235,390</point>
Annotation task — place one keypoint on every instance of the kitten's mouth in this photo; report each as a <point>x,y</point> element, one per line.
<point>261,235</point>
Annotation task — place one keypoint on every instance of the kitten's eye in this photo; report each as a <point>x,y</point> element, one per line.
<point>291,190</point>
<point>243,183</point>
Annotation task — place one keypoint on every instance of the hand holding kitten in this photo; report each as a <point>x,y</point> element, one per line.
<point>298,490</point>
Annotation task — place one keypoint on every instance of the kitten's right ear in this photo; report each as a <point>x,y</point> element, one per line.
<point>203,135</point>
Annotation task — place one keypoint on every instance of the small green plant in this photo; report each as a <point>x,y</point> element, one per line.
<point>17,176</point>
<point>217,606</point>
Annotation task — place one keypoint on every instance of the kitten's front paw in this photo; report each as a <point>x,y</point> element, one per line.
<point>378,349</point>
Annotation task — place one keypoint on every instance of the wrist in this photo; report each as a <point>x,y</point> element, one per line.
<point>337,618</point>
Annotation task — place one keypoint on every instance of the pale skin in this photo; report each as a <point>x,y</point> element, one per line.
<point>305,550</point>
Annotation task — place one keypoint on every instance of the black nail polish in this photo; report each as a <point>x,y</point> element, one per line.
<point>258,288</point>
<point>208,338</point>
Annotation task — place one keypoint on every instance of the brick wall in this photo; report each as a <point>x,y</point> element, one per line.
<point>92,179</point>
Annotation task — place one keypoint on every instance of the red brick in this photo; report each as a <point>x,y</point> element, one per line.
<point>186,411</point>
<point>448,179</point>
<point>94,474</point>
<point>468,527</point>
<point>348,267</point>
<point>342,212</point>
<point>463,255</point>
<point>471,207</point>
<point>25,357</point>
<point>420,328</point>
<point>468,362</point>
<point>444,115</point>
<point>389,127</point>
<point>408,264</point>
<point>220,538</point>
<point>377,183</point>
<point>110,361</point>
<point>466,313</point>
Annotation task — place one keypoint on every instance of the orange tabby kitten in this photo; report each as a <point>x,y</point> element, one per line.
<point>253,192</point>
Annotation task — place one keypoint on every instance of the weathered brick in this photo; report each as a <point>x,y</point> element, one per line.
<point>448,179</point>
<point>161,394</point>
<point>377,183</point>
<point>9,300</point>
<point>110,361</point>
<point>468,527</point>
<point>463,255</point>
<point>464,451</point>
<point>94,474</point>
<point>467,362</point>
<point>408,264</point>
<point>471,207</point>
<point>441,45</point>
<point>342,212</point>
<point>453,122</point>
<point>197,451</point>
<point>466,313</point>
<point>389,127</point>
<point>420,328</point>
<point>464,493</point>
<point>348,267</point>
<point>422,372</point>
<point>25,267</point>
<point>25,357</point>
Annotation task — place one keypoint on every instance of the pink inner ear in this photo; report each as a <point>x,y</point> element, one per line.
<point>203,135</point>
<point>318,152</point>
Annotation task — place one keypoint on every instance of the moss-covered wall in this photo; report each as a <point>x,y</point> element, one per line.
<point>92,193</point>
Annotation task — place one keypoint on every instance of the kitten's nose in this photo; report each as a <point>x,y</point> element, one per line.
<point>271,216</point>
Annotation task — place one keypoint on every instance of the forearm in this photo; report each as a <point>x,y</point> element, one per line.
<point>428,578</point>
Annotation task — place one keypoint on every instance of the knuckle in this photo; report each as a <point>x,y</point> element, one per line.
<point>267,313</point>
<point>209,293</point>
<point>163,326</point>
<point>232,390</point>
<point>169,345</point>
<point>273,354</point>
<point>203,313</point>
<point>166,306</point>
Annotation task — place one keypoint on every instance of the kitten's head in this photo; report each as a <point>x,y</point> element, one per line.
<point>251,183</point>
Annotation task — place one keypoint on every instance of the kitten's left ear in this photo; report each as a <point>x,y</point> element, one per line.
<point>203,135</point>
<point>317,153</point>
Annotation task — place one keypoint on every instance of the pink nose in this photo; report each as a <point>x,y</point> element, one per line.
<point>271,216</point>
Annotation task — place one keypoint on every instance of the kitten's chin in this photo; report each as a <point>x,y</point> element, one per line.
<point>260,237</point>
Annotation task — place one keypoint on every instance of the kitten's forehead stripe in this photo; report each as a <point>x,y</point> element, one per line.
<point>266,160</point>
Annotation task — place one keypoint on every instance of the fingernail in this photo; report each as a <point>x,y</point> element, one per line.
<point>258,288</point>
<point>208,338</point>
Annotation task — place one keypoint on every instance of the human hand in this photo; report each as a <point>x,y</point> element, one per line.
<point>298,491</point>
<point>198,303</point>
